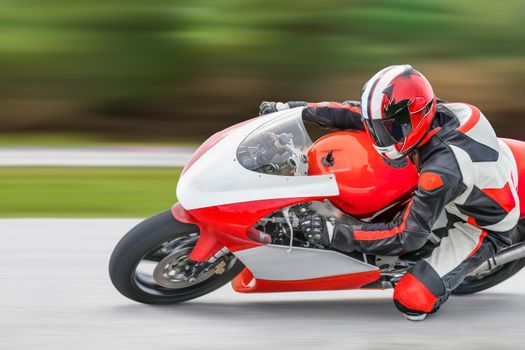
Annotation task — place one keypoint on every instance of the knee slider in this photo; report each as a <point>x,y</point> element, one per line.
<point>419,291</point>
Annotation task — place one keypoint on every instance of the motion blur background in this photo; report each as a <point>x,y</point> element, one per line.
<point>92,73</point>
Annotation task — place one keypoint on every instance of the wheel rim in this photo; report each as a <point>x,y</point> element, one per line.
<point>160,270</point>
<point>169,272</point>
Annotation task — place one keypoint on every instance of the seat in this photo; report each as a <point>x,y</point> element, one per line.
<point>518,150</point>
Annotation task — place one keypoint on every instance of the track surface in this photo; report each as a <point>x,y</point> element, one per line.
<point>97,156</point>
<point>55,294</point>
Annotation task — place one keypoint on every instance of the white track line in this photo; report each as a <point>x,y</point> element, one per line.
<point>96,157</point>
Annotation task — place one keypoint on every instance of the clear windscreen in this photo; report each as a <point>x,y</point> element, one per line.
<point>278,147</point>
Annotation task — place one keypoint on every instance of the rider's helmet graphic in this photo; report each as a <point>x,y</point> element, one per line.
<point>398,106</point>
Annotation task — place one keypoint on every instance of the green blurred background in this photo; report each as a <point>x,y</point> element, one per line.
<point>88,72</point>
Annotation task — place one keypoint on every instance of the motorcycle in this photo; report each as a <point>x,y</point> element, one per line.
<point>240,200</point>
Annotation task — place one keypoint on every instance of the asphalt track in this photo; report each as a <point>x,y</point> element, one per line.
<point>55,294</point>
<point>146,156</point>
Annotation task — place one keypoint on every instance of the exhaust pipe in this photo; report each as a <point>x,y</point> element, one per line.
<point>508,255</point>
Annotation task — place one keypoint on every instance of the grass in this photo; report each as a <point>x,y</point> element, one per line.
<point>86,192</point>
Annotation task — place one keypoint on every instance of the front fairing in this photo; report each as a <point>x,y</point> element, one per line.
<point>229,173</point>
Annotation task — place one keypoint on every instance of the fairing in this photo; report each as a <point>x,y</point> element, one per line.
<point>247,283</point>
<point>259,167</point>
<point>301,263</point>
<point>217,178</point>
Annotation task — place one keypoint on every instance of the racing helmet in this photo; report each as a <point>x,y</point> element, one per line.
<point>398,106</point>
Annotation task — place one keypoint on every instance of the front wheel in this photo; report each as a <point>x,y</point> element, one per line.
<point>147,264</point>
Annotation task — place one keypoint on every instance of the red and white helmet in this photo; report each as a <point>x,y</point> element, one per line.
<point>398,107</point>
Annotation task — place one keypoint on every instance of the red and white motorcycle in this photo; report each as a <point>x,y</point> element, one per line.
<point>240,197</point>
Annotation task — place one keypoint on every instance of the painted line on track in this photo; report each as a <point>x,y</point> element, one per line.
<point>172,157</point>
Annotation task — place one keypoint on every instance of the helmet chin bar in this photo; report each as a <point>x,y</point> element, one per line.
<point>389,152</point>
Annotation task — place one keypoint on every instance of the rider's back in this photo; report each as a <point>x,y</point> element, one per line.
<point>467,146</point>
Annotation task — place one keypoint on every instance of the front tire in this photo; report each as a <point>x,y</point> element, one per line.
<point>145,265</point>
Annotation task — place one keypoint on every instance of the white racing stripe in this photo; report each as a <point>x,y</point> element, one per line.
<point>375,86</point>
<point>377,94</point>
<point>366,92</point>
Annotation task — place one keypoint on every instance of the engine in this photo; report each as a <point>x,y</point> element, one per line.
<point>283,227</point>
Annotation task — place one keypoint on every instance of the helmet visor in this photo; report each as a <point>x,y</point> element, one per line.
<point>392,128</point>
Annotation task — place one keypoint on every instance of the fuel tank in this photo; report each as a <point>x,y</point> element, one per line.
<point>367,183</point>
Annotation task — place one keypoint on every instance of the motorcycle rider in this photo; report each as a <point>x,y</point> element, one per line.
<point>466,200</point>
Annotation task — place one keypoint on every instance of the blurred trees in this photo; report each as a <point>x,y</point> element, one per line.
<point>159,69</point>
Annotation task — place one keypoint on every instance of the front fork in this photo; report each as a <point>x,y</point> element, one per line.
<point>207,244</point>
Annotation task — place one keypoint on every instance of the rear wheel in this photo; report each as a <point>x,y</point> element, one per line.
<point>480,282</point>
<point>488,279</point>
<point>149,262</point>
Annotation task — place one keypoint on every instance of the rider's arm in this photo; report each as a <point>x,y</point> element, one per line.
<point>343,116</point>
<point>436,188</point>
<point>333,115</point>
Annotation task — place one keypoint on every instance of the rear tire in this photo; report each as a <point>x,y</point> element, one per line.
<point>145,244</point>
<point>471,284</point>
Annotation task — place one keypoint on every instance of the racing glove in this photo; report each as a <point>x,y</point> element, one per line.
<point>314,229</point>
<point>267,107</point>
<point>317,231</point>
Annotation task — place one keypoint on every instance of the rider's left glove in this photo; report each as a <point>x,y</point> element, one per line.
<point>267,107</point>
<point>314,228</point>
<point>317,231</point>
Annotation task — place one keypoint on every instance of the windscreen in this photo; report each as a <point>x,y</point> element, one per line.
<point>278,147</point>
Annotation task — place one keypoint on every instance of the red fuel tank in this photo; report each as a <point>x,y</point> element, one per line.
<point>366,182</point>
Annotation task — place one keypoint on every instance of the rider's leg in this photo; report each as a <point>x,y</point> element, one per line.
<point>428,284</point>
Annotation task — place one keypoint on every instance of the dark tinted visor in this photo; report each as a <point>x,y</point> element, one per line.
<point>394,127</point>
